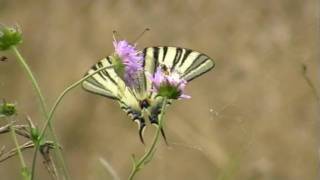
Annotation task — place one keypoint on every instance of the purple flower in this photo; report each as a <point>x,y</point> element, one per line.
<point>132,60</point>
<point>168,84</point>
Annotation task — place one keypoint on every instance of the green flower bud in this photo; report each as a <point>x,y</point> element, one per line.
<point>168,84</point>
<point>9,36</point>
<point>169,91</point>
<point>7,109</point>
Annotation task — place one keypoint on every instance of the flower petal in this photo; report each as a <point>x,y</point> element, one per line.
<point>132,60</point>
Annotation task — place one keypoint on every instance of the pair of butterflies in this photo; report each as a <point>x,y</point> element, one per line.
<point>187,63</point>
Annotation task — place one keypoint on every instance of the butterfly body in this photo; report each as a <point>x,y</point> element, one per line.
<point>188,64</point>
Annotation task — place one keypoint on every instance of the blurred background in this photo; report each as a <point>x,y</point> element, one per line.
<point>254,117</point>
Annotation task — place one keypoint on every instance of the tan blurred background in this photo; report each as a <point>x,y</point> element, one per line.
<point>253,117</point>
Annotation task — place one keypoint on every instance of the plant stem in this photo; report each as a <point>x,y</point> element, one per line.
<point>15,140</point>
<point>34,82</point>
<point>59,99</point>
<point>43,107</point>
<point>54,107</point>
<point>138,165</point>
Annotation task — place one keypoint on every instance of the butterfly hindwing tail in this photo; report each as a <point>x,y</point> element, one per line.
<point>155,111</point>
<point>107,83</point>
<point>138,118</point>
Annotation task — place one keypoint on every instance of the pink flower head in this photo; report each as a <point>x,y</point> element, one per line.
<point>168,84</point>
<point>131,58</point>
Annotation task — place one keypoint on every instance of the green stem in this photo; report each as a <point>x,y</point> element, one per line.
<point>34,82</point>
<point>34,159</point>
<point>59,99</point>
<point>138,165</point>
<point>54,107</point>
<point>43,107</point>
<point>15,140</point>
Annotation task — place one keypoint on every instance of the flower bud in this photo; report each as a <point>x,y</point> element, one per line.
<point>9,36</point>
<point>7,109</point>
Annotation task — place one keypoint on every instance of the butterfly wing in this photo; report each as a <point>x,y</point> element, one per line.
<point>103,83</point>
<point>107,83</point>
<point>188,63</point>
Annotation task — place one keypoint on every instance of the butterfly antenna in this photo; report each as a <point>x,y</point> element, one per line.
<point>140,35</point>
<point>116,36</point>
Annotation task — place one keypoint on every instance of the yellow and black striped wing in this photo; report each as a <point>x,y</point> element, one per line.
<point>107,83</point>
<point>188,63</point>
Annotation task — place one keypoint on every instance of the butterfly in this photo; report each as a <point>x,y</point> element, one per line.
<point>187,63</point>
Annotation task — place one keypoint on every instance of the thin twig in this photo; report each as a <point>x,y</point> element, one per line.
<point>50,166</point>
<point>14,151</point>
<point>19,129</point>
<point>25,146</point>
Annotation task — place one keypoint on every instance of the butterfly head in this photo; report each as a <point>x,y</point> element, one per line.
<point>144,104</point>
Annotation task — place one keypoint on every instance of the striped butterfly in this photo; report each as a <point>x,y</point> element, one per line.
<point>134,101</point>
